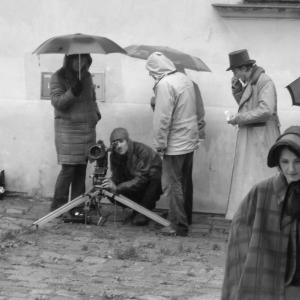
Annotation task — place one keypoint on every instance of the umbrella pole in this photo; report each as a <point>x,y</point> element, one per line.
<point>79,72</point>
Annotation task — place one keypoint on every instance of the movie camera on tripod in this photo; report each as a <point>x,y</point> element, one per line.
<point>99,153</point>
<point>92,199</point>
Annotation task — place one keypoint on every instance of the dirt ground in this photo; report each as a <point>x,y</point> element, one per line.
<point>116,261</point>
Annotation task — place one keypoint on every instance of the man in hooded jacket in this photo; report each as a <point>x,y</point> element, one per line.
<point>176,136</point>
<point>75,117</point>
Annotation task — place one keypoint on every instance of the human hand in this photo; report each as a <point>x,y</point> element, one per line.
<point>109,185</point>
<point>201,124</point>
<point>232,121</point>
<point>236,84</point>
<point>77,88</point>
<point>161,152</point>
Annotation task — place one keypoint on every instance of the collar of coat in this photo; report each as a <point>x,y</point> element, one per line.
<point>159,78</point>
<point>280,187</point>
<point>248,89</point>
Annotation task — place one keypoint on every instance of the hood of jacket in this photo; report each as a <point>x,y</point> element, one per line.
<point>159,65</point>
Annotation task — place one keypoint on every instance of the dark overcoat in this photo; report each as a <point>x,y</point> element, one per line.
<point>75,117</point>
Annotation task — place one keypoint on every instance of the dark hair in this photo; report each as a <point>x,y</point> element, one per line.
<point>278,151</point>
<point>247,66</point>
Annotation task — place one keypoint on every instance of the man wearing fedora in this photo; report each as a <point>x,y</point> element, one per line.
<point>257,122</point>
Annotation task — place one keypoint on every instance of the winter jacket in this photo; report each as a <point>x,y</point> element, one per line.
<point>132,171</point>
<point>258,129</point>
<point>175,116</point>
<point>75,117</point>
<point>257,256</point>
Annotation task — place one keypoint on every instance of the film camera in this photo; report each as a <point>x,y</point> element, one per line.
<point>81,208</point>
<point>99,153</point>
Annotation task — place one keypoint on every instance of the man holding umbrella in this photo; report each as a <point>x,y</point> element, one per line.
<point>76,115</point>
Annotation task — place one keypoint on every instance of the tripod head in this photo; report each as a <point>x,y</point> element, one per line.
<point>99,153</point>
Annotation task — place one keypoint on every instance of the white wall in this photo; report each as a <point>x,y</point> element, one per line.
<point>26,122</point>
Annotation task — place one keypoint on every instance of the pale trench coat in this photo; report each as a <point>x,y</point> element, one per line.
<point>258,129</point>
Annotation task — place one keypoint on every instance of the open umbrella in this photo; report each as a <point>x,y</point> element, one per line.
<point>294,89</point>
<point>78,43</point>
<point>185,60</point>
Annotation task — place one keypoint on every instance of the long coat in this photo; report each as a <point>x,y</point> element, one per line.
<point>258,129</point>
<point>75,117</point>
<point>257,254</point>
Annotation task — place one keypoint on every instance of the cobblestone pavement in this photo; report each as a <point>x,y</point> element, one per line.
<point>116,261</point>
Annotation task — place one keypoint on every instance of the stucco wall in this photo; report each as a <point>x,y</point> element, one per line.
<point>26,122</point>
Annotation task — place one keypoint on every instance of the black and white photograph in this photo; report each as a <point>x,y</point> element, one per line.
<point>150,150</point>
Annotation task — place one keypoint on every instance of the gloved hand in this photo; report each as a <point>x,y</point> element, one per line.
<point>77,88</point>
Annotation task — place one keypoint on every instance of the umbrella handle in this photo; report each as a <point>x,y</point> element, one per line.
<point>79,72</point>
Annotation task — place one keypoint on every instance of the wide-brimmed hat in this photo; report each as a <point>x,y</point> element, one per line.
<point>290,138</point>
<point>239,58</point>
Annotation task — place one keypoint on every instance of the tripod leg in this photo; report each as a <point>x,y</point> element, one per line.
<point>56,213</point>
<point>141,209</point>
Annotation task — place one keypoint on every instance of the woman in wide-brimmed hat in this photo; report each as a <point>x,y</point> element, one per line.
<point>263,259</point>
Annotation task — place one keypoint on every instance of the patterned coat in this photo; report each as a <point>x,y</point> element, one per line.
<point>257,249</point>
<point>75,117</point>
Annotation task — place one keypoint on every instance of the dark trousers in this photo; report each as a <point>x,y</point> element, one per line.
<point>177,185</point>
<point>69,175</point>
<point>148,196</point>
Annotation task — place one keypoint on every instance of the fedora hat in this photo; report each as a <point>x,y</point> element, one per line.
<point>239,58</point>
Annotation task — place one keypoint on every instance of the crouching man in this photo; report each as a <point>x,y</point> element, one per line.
<point>136,172</point>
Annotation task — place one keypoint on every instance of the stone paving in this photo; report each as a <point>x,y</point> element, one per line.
<point>116,261</point>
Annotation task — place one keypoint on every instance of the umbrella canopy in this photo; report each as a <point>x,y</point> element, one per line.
<point>77,44</point>
<point>294,89</point>
<point>178,58</point>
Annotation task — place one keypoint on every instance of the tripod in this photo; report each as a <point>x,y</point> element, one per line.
<point>94,196</point>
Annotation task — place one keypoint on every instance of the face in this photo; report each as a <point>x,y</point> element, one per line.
<point>289,164</point>
<point>75,63</point>
<point>120,146</point>
<point>241,73</point>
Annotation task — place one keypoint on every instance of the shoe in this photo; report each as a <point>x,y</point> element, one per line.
<point>140,220</point>
<point>182,232</point>
<point>127,215</point>
<point>168,230</point>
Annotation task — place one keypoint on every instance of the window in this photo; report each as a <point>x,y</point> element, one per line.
<point>45,85</point>
<point>280,9</point>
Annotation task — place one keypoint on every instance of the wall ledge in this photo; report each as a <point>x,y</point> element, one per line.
<point>258,10</point>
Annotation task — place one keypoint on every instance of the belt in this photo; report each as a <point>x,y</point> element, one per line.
<point>258,124</point>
